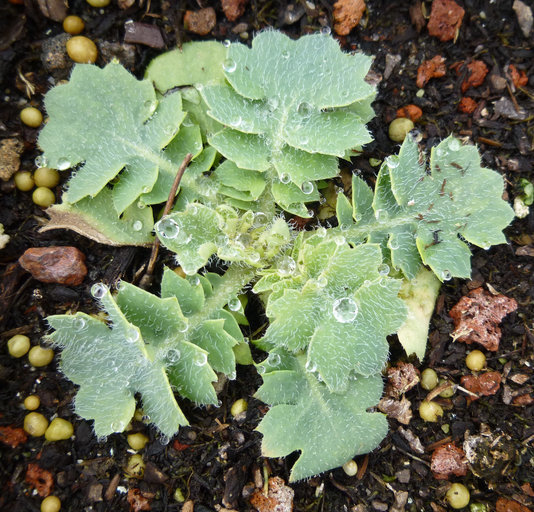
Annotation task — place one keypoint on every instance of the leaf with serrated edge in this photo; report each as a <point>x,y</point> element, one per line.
<point>307,319</point>
<point>423,216</point>
<point>106,120</point>
<point>329,429</point>
<point>290,108</point>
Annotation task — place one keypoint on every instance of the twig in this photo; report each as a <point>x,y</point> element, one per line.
<point>147,278</point>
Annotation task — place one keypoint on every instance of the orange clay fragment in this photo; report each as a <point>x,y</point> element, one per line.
<point>412,112</point>
<point>448,460</point>
<point>467,105</point>
<point>347,14</point>
<point>138,500</point>
<point>519,78</point>
<point>476,72</point>
<point>12,436</point>
<point>506,505</point>
<point>39,478</point>
<point>433,68</point>
<point>477,315</point>
<point>486,384</point>
<point>445,20</point>
<point>280,497</point>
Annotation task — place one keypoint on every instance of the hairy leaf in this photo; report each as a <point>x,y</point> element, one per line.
<point>290,107</point>
<point>339,311</point>
<point>328,428</point>
<point>424,217</point>
<point>106,121</point>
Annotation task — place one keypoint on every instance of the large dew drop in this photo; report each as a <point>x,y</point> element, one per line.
<point>63,163</point>
<point>201,359</point>
<point>168,228</point>
<point>307,187</point>
<point>229,65</point>
<point>234,304</point>
<point>173,355</point>
<point>345,310</point>
<point>286,266</point>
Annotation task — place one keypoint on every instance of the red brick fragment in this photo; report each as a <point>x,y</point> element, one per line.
<point>412,112</point>
<point>519,78</point>
<point>506,505</point>
<point>401,378</point>
<point>448,460</point>
<point>433,68</point>
<point>138,500</point>
<point>12,436</point>
<point>477,315</point>
<point>233,9</point>
<point>445,20</point>
<point>476,72</point>
<point>62,265</point>
<point>467,105</point>
<point>200,22</point>
<point>486,384</point>
<point>347,14</point>
<point>279,498</point>
<point>40,479</point>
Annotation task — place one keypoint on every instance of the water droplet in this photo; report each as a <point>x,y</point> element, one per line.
<point>146,190</point>
<point>394,244</point>
<point>229,65</point>
<point>454,144</point>
<point>417,135</point>
<point>201,359</point>
<point>326,31</point>
<point>187,122</point>
<point>167,228</point>
<point>383,269</point>
<point>321,232</point>
<point>41,161</point>
<point>236,122</point>
<point>254,257</point>
<point>286,266</point>
<point>63,163</point>
<point>274,359</point>
<point>98,290</point>
<point>183,326</point>
<point>118,426</point>
<point>307,187</point>
<point>272,104</point>
<point>232,376</point>
<point>411,202</point>
<point>381,215</point>
<point>260,219</point>
<point>192,208</point>
<point>392,162</point>
<point>439,152</point>
<point>227,43</point>
<point>340,240</point>
<point>322,282</point>
<point>234,304</point>
<point>79,323</point>
<point>261,369</point>
<point>133,335</point>
<point>173,355</point>
<point>141,205</point>
<point>345,310</point>
<point>446,275</point>
<point>285,54</point>
<point>310,367</point>
<point>194,280</point>
<point>137,225</point>
<point>150,105</point>
<point>285,178</point>
<point>305,109</point>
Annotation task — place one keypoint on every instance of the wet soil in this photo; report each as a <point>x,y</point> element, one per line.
<point>214,461</point>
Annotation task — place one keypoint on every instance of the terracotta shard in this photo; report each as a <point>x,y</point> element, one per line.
<point>486,384</point>
<point>477,315</point>
<point>433,68</point>
<point>200,22</point>
<point>448,460</point>
<point>347,14</point>
<point>233,9</point>
<point>445,20</point>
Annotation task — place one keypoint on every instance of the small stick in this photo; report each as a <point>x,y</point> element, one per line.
<point>147,278</point>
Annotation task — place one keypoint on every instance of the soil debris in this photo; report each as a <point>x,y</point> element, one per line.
<point>10,151</point>
<point>477,315</point>
<point>476,72</point>
<point>40,479</point>
<point>12,436</point>
<point>347,14</point>
<point>139,500</point>
<point>448,460</point>
<point>411,111</point>
<point>401,378</point>
<point>233,9</point>
<point>400,410</point>
<point>524,16</point>
<point>200,22</point>
<point>445,20</point>
<point>433,68</point>
<point>486,384</point>
<point>61,265</point>
<point>143,33</point>
<point>467,105</point>
<point>278,499</point>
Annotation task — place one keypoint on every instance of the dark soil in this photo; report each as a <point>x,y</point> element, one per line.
<point>214,460</point>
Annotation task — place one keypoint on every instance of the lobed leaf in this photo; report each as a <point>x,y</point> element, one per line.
<point>327,428</point>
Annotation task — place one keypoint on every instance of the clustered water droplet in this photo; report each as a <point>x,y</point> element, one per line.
<point>41,161</point>
<point>285,178</point>
<point>98,290</point>
<point>345,310</point>
<point>201,359</point>
<point>168,228</point>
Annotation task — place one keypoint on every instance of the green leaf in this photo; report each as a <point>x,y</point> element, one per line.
<point>340,312</point>
<point>419,295</point>
<point>94,219</point>
<point>327,428</point>
<point>106,121</point>
<point>290,108</point>
<point>425,217</point>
